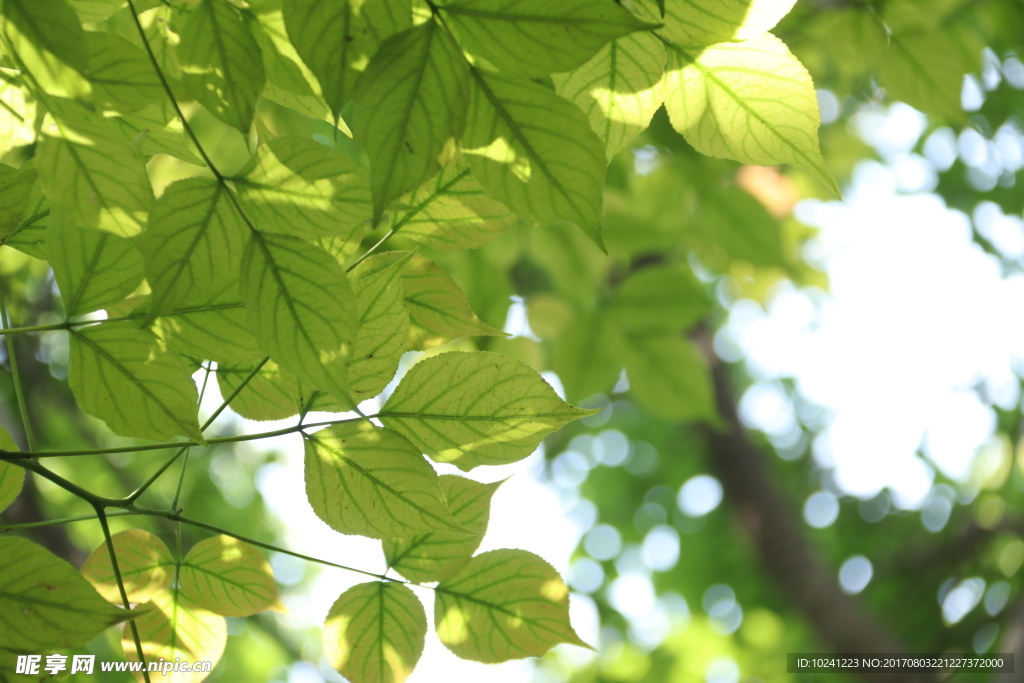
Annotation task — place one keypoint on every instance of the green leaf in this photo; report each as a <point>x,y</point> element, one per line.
<point>740,225</point>
<point>452,212</point>
<point>301,309</point>
<point>660,298</point>
<point>86,164</point>
<point>296,186</point>
<point>122,76</point>
<point>154,133</point>
<point>505,604</point>
<point>534,152</point>
<point>437,305</point>
<point>437,556</point>
<point>96,10</point>
<point>374,633</point>
<point>192,244</point>
<point>706,22</point>
<point>228,577</point>
<point>619,89</point>
<point>410,108</point>
<point>588,356</point>
<point>926,70</point>
<point>93,269</point>
<point>537,37</point>
<point>668,375</point>
<point>752,101</point>
<point>215,329</point>
<point>120,374</point>
<point>173,629</point>
<point>12,477</point>
<point>145,563</point>
<point>475,408</point>
<point>365,480</point>
<point>15,194</point>
<point>289,82</point>
<point>48,39</point>
<point>337,39</point>
<point>45,604</point>
<point>383,325</point>
<point>270,395</point>
<point>221,63</point>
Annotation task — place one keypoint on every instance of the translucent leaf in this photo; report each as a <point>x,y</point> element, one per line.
<point>29,235</point>
<point>301,309</point>
<point>926,70</point>
<point>660,298</point>
<point>410,107</point>
<point>93,269</point>
<point>505,604</point>
<point>451,212</point>
<point>669,376</point>
<point>15,193</point>
<point>12,477</point>
<point>152,133</point>
<point>337,39</point>
<point>374,633</point>
<point>289,82</point>
<point>229,577</point>
<point>619,89</point>
<point>120,374</point>
<point>121,74</point>
<point>48,39</point>
<point>145,563</point>
<point>96,10</point>
<point>706,22</point>
<point>475,408</point>
<point>383,325</point>
<point>221,63</point>
<point>534,152</point>
<point>751,101</point>
<point>86,164</point>
<point>365,480</point>
<point>588,356</point>
<point>298,187</point>
<point>192,244</point>
<point>175,628</point>
<point>45,604</point>
<point>537,37</point>
<point>214,329</point>
<point>270,395</point>
<point>437,556</point>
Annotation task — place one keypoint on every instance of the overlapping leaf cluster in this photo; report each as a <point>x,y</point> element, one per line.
<point>452,120</point>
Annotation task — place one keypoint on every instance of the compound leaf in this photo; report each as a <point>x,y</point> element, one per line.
<point>120,374</point>
<point>228,577</point>
<point>504,604</point>
<point>374,633</point>
<point>366,480</point>
<point>173,629</point>
<point>475,408</point>
<point>437,556</point>
<point>145,563</point>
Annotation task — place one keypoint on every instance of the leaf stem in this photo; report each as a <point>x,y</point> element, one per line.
<point>63,520</point>
<point>18,391</point>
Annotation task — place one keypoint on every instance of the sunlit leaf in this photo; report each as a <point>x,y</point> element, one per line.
<point>365,480</point>
<point>48,39</point>
<point>475,408</point>
<point>173,629</point>
<point>374,633</point>
<point>228,577</point>
<point>437,556</point>
<point>289,82</point>
<point>504,604</point>
<point>122,76</point>
<point>668,375</point>
<point>15,193</point>
<point>12,477</point>
<point>145,563</point>
<point>706,22</point>
<point>213,328</point>
<point>269,395</point>
<point>153,133</point>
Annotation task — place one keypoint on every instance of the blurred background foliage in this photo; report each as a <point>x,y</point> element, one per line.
<point>683,565</point>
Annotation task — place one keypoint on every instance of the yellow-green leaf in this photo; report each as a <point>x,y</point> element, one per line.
<point>537,37</point>
<point>15,194</point>
<point>145,563</point>
<point>228,577</point>
<point>370,481</point>
<point>667,374</point>
<point>752,101</point>
<point>504,604</point>
<point>120,374</point>
<point>48,39</point>
<point>374,633</point>
<point>221,62</point>
<point>289,82</point>
<point>437,556</point>
<point>270,395</point>
<point>122,76</point>
<point>926,70</point>
<point>619,89</point>
<point>475,408</point>
<point>706,22</point>
<point>534,152</point>
<point>410,107</point>
<point>337,39</point>
<point>173,629</point>
<point>451,212</point>
<point>301,309</point>
<point>12,477</point>
<point>153,133</point>
<point>213,329</point>
<point>45,604</point>
<point>296,186</point>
